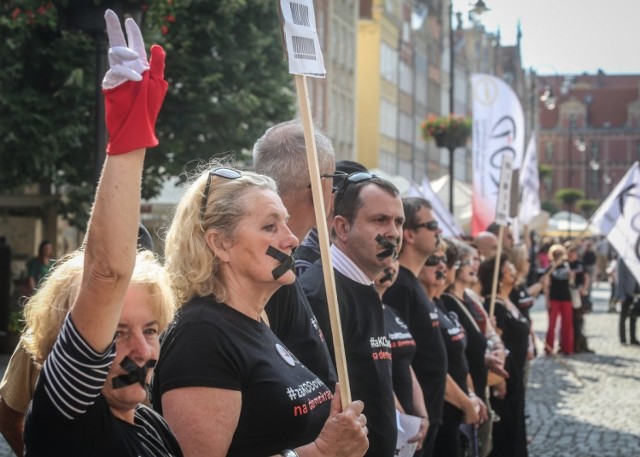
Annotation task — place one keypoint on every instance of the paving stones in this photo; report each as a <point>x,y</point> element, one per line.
<point>585,405</point>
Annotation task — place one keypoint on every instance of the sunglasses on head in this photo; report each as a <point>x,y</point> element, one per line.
<point>434,260</point>
<point>221,172</point>
<point>357,177</point>
<point>337,174</point>
<point>431,226</point>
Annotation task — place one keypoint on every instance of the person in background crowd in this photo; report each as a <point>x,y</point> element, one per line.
<point>589,261</point>
<point>485,350</point>
<point>543,256</point>
<point>38,267</point>
<point>509,434</point>
<point>87,399</point>
<point>612,278</point>
<point>627,290</point>
<point>224,382</point>
<point>486,243</point>
<point>281,154</point>
<point>309,249</point>
<point>559,302</point>
<point>409,397</point>
<point>603,257</point>
<point>367,235</point>
<point>507,236</point>
<point>462,405</point>
<point>421,236</point>
<point>582,280</point>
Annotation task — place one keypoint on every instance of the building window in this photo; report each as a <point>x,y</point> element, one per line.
<point>389,63</point>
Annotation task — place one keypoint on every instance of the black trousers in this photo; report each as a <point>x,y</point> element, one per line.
<point>624,313</point>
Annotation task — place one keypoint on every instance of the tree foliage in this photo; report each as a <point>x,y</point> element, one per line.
<point>588,206</point>
<point>569,196</point>
<point>228,83</point>
<point>228,79</point>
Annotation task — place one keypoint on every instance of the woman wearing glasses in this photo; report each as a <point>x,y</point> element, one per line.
<point>224,382</point>
<point>509,434</point>
<point>461,404</point>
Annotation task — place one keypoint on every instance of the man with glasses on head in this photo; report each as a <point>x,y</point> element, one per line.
<point>421,236</point>
<point>281,154</point>
<point>367,231</point>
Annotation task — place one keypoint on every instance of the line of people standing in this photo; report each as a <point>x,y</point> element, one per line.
<point>246,364</point>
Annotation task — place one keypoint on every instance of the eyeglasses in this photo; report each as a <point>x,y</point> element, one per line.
<point>434,260</point>
<point>337,174</point>
<point>221,172</point>
<point>359,176</point>
<point>431,226</point>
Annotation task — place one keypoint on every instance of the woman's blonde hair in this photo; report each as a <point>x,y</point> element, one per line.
<point>557,251</point>
<point>191,265</point>
<point>45,311</point>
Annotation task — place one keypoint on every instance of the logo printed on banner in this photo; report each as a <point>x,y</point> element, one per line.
<point>498,130</point>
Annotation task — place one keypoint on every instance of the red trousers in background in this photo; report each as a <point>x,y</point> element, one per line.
<point>564,309</point>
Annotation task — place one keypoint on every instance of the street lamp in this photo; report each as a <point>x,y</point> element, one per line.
<point>478,8</point>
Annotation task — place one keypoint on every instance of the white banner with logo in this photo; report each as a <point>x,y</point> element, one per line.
<point>498,129</point>
<point>619,217</point>
<point>529,183</point>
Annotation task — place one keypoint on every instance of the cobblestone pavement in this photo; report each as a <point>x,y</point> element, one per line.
<point>585,405</point>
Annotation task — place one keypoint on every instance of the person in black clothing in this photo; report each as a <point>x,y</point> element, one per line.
<point>582,280</point>
<point>280,154</point>
<point>462,405</point>
<point>628,289</point>
<point>87,399</point>
<point>367,233</point>
<point>509,434</point>
<point>408,298</point>
<point>409,397</point>
<point>224,382</point>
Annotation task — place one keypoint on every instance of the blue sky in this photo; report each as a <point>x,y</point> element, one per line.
<point>568,36</point>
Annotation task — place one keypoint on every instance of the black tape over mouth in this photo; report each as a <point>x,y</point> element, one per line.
<point>388,276</point>
<point>389,248</point>
<point>287,262</point>
<point>135,374</point>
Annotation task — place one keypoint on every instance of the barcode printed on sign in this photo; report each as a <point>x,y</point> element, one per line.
<point>300,14</point>
<point>303,48</point>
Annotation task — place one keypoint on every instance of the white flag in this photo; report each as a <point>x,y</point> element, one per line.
<point>498,129</point>
<point>529,183</point>
<point>625,235</point>
<point>606,216</point>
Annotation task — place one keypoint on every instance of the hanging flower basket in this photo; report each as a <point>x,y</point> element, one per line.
<point>448,131</point>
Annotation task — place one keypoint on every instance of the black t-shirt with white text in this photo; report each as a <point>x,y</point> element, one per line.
<point>559,283</point>
<point>403,349</point>
<point>293,322</point>
<point>455,340</point>
<point>367,351</point>
<point>209,344</point>
<point>408,297</point>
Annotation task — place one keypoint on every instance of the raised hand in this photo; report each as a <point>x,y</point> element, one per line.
<point>126,62</point>
<point>134,89</point>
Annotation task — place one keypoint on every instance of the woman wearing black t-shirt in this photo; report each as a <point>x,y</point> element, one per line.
<point>461,403</point>
<point>509,434</point>
<point>558,294</point>
<point>224,382</point>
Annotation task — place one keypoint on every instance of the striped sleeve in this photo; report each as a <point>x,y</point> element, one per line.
<point>74,372</point>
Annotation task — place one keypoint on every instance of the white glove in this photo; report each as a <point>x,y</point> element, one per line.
<point>126,62</point>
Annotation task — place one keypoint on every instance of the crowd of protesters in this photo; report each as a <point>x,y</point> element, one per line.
<point>434,328</point>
